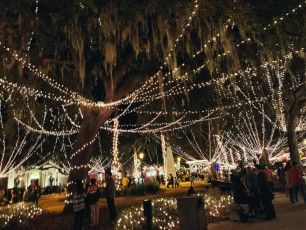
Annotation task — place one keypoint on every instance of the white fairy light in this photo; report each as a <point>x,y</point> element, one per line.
<point>115,151</point>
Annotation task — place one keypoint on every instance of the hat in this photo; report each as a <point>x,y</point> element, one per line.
<point>259,167</point>
<point>108,172</point>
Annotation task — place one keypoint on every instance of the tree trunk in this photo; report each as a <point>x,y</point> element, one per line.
<point>292,138</point>
<point>82,148</point>
<point>264,157</point>
<point>292,121</point>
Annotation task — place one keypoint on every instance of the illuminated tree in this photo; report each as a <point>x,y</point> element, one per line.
<point>94,57</point>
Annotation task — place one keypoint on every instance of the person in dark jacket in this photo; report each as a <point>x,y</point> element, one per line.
<point>265,194</point>
<point>190,191</point>
<point>110,191</point>
<point>93,195</point>
<point>240,191</point>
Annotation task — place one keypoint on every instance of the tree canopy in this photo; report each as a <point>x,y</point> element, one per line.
<point>70,67</point>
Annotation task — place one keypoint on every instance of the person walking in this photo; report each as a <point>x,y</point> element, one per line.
<point>176,182</point>
<point>110,191</point>
<point>78,203</point>
<point>60,188</point>
<point>289,185</point>
<point>192,178</point>
<point>93,195</point>
<point>171,181</point>
<point>296,176</point>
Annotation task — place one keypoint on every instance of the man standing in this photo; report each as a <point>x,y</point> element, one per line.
<point>296,176</point>
<point>110,191</point>
<point>265,193</point>
<point>250,183</point>
<point>269,175</point>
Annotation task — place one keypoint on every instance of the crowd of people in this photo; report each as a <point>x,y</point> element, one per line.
<point>15,195</point>
<point>85,200</point>
<point>254,186</point>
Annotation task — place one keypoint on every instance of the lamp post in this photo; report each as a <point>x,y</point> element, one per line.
<point>141,156</point>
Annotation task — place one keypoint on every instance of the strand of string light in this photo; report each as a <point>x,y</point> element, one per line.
<point>180,37</point>
<point>176,149</point>
<point>63,89</point>
<point>23,90</point>
<point>196,147</point>
<point>164,151</point>
<point>299,6</point>
<point>98,164</point>
<point>43,131</point>
<point>280,19</point>
<point>157,130</point>
<point>202,50</point>
<point>242,42</point>
<point>70,119</point>
<point>84,146</point>
<point>139,130</point>
<point>208,111</point>
<point>144,125</point>
<point>199,85</point>
<point>142,88</point>
<point>115,150</point>
<point>277,103</point>
<point>249,140</point>
<point>182,112</point>
<point>75,98</point>
<point>32,34</point>
<point>11,162</point>
<point>3,137</point>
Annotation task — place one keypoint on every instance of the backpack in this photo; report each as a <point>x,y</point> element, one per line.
<point>243,216</point>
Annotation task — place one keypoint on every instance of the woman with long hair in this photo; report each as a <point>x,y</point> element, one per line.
<point>78,202</point>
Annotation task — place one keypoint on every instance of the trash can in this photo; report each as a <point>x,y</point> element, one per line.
<point>191,213</point>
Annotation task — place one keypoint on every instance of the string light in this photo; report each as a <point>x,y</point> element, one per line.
<point>115,152</point>
<point>11,159</point>
<point>19,213</point>
<point>164,151</point>
<point>165,214</point>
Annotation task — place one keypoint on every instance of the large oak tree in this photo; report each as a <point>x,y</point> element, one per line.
<point>105,50</point>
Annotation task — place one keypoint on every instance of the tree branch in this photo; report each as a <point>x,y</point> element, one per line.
<point>119,73</point>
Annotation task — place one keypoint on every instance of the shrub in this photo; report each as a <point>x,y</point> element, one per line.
<point>141,189</point>
<point>12,216</point>
<point>152,187</point>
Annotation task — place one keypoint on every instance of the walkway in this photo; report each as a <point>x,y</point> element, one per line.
<point>289,216</point>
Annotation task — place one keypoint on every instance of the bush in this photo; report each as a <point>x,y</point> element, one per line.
<point>152,187</point>
<point>138,189</point>
<point>13,216</point>
<point>141,189</point>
